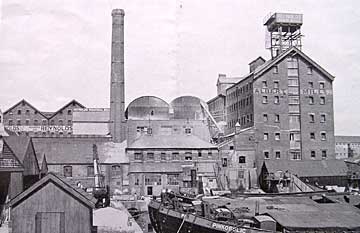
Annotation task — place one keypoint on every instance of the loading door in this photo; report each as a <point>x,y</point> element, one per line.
<point>50,222</point>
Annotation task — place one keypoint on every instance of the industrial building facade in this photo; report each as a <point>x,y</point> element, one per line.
<point>25,119</point>
<point>289,102</point>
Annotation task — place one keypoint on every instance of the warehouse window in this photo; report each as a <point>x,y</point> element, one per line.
<point>312,135</point>
<point>224,162</point>
<point>309,70</point>
<point>266,136</point>
<point>323,118</point>
<point>277,136</point>
<point>323,154</point>
<point>277,154</point>
<point>265,117</point>
<point>264,84</point>
<point>265,99</point>
<point>163,156</point>
<point>312,117</point>
<point>311,100</point>
<point>67,171</point>
<point>321,85</point>
<point>27,121</point>
<point>11,122</point>
<point>311,85</point>
<point>19,112</point>
<point>241,159</point>
<point>276,100</point>
<point>323,136</point>
<point>150,156</point>
<point>277,118</point>
<point>312,154</point>
<point>275,69</point>
<point>173,179</point>
<point>322,100</point>
<point>27,112</point>
<point>138,156</point>
<point>266,154</point>
<point>175,156</point>
<point>116,170</point>
<point>188,156</point>
<point>69,112</point>
<point>18,122</point>
<point>276,84</point>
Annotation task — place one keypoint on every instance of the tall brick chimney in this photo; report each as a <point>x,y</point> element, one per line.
<point>117,88</point>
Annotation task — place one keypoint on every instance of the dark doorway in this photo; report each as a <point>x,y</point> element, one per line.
<point>150,190</point>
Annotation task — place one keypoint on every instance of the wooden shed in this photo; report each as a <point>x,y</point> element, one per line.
<point>52,205</point>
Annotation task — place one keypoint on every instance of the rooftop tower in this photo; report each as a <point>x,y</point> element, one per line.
<point>283,32</point>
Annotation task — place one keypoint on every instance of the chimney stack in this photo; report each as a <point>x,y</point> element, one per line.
<point>117,88</point>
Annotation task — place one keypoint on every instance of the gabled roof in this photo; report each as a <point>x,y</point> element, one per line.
<point>65,106</point>
<point>258,58</point>
<point>308,168</point>
<point>44,166</point>
<point>79,150</point>
<point>170,142</point>
<point>26,103</point>
<point>74,191</point>
<point>293,51</point>
<point>270,63</point>
<point>18,145</point>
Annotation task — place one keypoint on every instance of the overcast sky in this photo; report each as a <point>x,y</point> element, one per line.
<point>54,51</point>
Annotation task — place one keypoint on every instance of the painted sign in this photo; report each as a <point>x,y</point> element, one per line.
<point>285,91</point>
<point>40,128</point>
<point>227,228</point>
<point>270,91</point>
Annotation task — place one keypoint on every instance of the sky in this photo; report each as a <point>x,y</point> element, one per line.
<point>54,51</point>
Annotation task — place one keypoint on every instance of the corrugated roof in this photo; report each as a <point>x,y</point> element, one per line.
<point>347,139</point>
<point>155,168</point>
<point>79,150</point>
<point>308,168</point>
<point>169,142</point>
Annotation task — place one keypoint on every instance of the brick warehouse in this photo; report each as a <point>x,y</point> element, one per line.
<point>289,101</point>
<point>25,119</point>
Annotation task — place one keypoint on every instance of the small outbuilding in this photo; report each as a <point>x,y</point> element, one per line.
<point>52,205</point>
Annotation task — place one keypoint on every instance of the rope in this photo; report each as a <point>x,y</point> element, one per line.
<point>181,224</point>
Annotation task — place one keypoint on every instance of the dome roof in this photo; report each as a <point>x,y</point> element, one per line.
<point>188,107</point>
<point>147,107</point>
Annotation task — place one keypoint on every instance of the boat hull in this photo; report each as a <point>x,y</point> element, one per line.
<point>165,220</point>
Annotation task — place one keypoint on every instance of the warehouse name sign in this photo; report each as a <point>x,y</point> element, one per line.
<point>270,91</point>
<point>277,91</point>
<point>40,128</point>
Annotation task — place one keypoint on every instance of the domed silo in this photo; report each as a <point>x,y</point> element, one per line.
<point>188,107</point>
<point>147,108</point>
